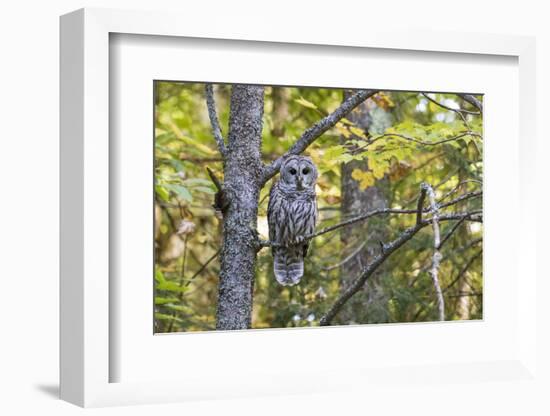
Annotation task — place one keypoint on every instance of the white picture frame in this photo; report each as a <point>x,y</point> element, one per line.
<point>86,356</point>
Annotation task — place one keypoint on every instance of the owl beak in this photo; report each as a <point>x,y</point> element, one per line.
<point>300,184</point>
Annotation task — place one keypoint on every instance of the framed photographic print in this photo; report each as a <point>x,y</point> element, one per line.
<point>285,213</point>
<point>346,170</point>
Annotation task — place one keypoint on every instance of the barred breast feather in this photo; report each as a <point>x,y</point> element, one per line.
<point>291,215</point>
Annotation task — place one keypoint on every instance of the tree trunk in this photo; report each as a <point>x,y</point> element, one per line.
<point>241,192</point>
<point>369,233</point>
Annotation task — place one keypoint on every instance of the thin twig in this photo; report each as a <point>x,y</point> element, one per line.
<point>216,130</point>
<point>347,259</point>
<point>204,266</point>
<point>457,187</point>
<point>450,233</point>
<point>463,294</point>
<point>463,271</point>
<point>463,197</point>
<point>314,132</point>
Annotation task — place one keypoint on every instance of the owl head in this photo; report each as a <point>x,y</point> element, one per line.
<point>298,173</point>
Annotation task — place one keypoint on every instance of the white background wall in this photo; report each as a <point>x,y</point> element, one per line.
<point>29,57</point>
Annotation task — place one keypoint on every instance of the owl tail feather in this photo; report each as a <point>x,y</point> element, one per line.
<point>288,265</point>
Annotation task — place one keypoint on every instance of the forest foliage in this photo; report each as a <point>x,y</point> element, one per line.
<point>412,138</point>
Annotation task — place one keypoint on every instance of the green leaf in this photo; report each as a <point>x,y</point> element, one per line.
<point>179,308</point>
<point>159,300</point>
<point>181,191</point>
<point>333,152</point>
<point>166,317</point>
<point>305,103</point>
<point>205,189</point>
<point>172,287</point>
<point>357,131</point>
<point>162,193</point>
<point>159,276</point>
<point>196,182</point>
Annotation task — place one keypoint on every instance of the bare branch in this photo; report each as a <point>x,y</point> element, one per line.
<point>389,249</point>
<point>211,105</point>
<point>214,179</point>
<point>314,132</point>
<point>463,197</point>
<point>472,100</point>
<point>383,211</point>
<point>454,110</point>
<point>457,187</point>
<point>436,258</point>
<point>450,233</point>
<point>351,221</point>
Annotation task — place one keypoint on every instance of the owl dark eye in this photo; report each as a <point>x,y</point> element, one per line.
<point>292,171</point>
<point>305,171</point>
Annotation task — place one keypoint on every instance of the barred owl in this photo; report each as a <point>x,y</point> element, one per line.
<point>291,215</point>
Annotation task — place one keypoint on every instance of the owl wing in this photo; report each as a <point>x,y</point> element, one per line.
<point>271,213</point>
<point>311,223</point>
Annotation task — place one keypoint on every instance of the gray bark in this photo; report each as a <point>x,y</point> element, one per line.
<point>241,190</point>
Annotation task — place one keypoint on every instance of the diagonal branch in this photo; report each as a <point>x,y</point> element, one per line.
<point>314,132</point>
<point>216,130</point>
<point>472,100</point>
<point>463,271</point>
<point>450,233</point>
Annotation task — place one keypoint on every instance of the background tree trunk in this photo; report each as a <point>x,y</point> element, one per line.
<point>241,192</point>
<point>367,234</point>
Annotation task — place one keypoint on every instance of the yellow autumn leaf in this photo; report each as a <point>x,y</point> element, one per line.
<point>383,100</point>
<point>343,131</point>
<point>358,132</point>
<point>357,174</point>
<point>365,179</point>
<point>379,168</point>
